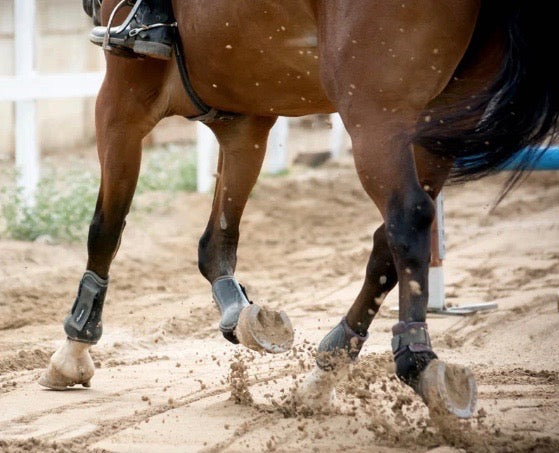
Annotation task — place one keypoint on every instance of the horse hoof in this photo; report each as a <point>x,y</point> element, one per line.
<point>448,388</point>
<point>70,365</point>
<point>264,330</point>
<point>318,390</point>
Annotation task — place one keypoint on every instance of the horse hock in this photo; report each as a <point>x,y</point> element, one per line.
<point>253,326</point>
<point>71,364</point>
<point>445,388</point>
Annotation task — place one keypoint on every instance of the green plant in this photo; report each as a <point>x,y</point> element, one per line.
<point>61,211</point>
<point>168,170</point>
<point>64,202</point>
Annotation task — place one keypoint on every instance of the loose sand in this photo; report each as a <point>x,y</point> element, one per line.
<point>164,374</point>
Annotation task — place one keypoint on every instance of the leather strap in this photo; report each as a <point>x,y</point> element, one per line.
<point>208,114</point>
<point>411,335</point>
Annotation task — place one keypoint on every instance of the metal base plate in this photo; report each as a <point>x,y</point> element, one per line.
<point>464,310</point>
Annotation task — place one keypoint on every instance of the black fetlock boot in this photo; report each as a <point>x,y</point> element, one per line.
<point>445,388</point>
<point>341,344</point>
<point>148,31</point>
<point>412,351</point>
<point>84,322</point>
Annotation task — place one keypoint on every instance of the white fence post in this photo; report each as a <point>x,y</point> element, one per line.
<point>276,160</point>
<point>27,149</point>
<point>436,274</point>
<point>338,136</point>
<point>206,156</point>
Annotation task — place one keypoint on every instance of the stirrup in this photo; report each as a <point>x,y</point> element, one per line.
<point>121,27</point>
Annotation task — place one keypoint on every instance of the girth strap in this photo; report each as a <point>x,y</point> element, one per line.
<point>208,114</point>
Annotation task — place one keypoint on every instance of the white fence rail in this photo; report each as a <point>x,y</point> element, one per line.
<point>26,86</point>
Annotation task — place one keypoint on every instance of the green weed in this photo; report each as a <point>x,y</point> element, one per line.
<point>64,202</point>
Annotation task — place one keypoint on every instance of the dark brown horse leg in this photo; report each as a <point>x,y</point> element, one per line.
<point>242,146</point>
<point>242,149</point>
<point>386,167</point>
<point>381,276</point>
<point>121,124</point>
<point>433,171</point>
<point>120,158</point>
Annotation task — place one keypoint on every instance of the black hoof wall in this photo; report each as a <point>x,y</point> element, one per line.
<point>231,337</point>
<point>409,365</point>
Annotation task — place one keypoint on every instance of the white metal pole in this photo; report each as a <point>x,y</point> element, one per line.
<point>338,137</point>
<point>206,155</point>
<point>436,274</point>
<point>276,160</point>
<point>27,149</point>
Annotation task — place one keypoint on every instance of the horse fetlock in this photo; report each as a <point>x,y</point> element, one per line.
<point>412,351</point>
<point>70,365</point>
<point>340,346</point>
<point>84,322</point>
<point>445,388</point>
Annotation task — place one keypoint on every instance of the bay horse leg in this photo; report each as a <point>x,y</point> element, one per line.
<point>380,92</point>
<point>480,66</point>
<point>242,148</point>
<point>122,120</point>
<point>381,276</point>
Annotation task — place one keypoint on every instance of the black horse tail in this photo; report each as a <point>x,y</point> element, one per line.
<point>519,109</point>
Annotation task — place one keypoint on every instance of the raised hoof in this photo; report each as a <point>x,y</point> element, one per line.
<point>318,390</point>
<point>448,388</point>
<point>70,365</point>
<point>264,330</point>
<point>231,337</point>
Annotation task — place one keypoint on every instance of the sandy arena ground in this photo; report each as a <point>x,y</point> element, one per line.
<point>163,381</point>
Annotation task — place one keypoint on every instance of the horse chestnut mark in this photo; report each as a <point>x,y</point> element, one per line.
<point>387,75</point>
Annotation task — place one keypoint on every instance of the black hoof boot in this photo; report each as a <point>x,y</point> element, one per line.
<point>148,31</point>
<point>341,344</point>
<point>412,351</point>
